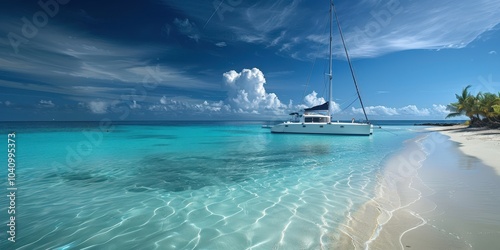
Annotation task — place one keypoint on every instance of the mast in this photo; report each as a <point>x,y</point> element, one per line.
<point>330,74</point>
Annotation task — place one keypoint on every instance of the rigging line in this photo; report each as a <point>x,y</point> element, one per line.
<point>349,104</point>
<point>349,61</point>
<point>343,103</point>
<point>309,78</point>
<point>388,131</point>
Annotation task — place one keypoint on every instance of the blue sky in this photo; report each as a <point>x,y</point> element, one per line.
<point>240,59</point>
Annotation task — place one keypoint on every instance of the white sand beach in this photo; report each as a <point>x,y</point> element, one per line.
<point>439,192</point>
<point>476,142</point>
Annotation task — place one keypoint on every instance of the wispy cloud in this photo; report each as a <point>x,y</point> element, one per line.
<point>423,24</point>
<point>188,28</point>
<point>60,61</point>
<point>379,27</point>
<point>221,44</point>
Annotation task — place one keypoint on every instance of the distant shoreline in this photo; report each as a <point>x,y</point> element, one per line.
<point>439,124</point>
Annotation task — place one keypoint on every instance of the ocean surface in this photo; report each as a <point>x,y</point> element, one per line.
<point>187,185</point>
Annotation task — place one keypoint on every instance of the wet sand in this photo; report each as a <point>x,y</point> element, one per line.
<point>433,196</point>
<point>476,142</point>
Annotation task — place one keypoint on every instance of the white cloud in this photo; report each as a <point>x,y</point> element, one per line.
<point>212,106</point>
<point>157,107</point>
<point>187,28</point>
<point>376,111</point>
<point>380,27</point>
<point>413,110</point>
<point>278,39</point>
<point>134,105</point>
<point>175,107</point>
<point>263,20</point>
<point>221,44</point>
<point>313,100</point>
<point>492,52</point>
<point>425,24</point>
<point>440,109</point>
<point>246,92</point>
<point>409,111</point>
<point>163,100</point>
<point>79,64</point>
<point>46,104</point>
<point>98,107</point>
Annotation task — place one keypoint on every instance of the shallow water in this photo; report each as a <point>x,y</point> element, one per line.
<point>466,198</point>
<point>202,186</point>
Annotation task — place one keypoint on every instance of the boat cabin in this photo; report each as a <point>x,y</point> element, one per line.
<point>309,118</point>
<point>315,118</point>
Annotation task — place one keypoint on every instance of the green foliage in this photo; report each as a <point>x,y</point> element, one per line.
<point>496,110</point>
<point>483,109</point>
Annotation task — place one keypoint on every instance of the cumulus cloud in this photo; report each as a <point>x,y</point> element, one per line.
<point>437,110</point>
<point>98,107</point>
<point>163,100</point>
<point>376,110</point>
<point>313,100</point>
<point>440,109</point>
<point>167,104</point>
<point>175,106</point>
<point>46,104</point>
<point>247,94</point>
<point>413,110</point>
<point>212,106</point>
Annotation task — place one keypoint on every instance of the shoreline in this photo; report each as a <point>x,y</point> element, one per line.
<point>378,223</point>
<point>436,193</point>
<point>481,143</point>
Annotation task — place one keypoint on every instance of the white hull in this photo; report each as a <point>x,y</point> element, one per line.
<point>334,128</point>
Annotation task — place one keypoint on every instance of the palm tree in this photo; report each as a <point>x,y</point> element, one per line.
<point>496,108</point>
<point>482,105</point>
<point>487,103</point>
<point>463,106</point>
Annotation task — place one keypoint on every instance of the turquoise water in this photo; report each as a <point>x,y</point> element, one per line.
<point>187,186</point>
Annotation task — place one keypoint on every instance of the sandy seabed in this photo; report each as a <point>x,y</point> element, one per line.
<point>440,192</point>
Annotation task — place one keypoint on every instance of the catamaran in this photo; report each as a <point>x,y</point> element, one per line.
<point>309,121</point>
